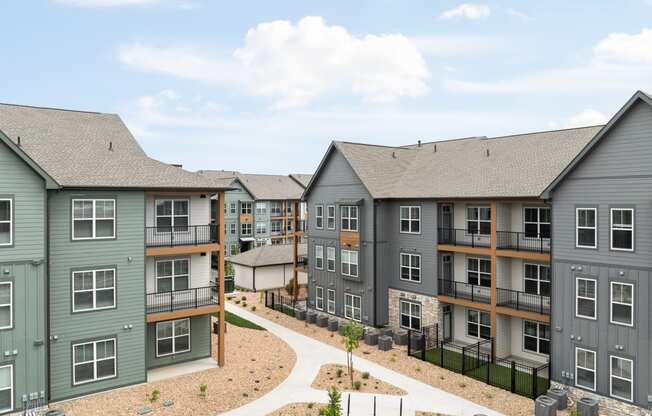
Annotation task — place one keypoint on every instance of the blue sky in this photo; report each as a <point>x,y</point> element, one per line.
<point>262,86</point>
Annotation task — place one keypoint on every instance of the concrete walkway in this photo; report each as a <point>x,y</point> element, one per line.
<point>312,354</point>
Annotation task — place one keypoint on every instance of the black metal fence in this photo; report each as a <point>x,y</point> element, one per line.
<point>476,361</point>
<point>463,237</point>
<point>283,303</point>
<point>522,241</point>
<point>474,293</point>
<point>186,235</point>
<point>181,299</point>
<point>523,301</point>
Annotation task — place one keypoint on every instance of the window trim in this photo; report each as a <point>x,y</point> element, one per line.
<point>409,267</point>
<point>611,303</point>
<point>263,228</point>
<point>244,224</point>
<point>349,218</point>
<point>538,279</point>
<point>479,221</point>
<point>612,229</point>
<point>330,250</point>
<point>319,217</point>
<point>594,370</point>
<point>538,223</point>
<point>594,228</point>
<point>595,300</point>
<point>94,289</point>
<point>173,275</point>
<point>479,323</point>
<point>409,219</point>
<point>631,381</point>
<point>352,307</point>
<point>318,298</point>
<point>349,262</point>
<point>10,222</point>
<point>93,219</point>
<point>243,205</point>
<point>95,360</point>
<point>261,208</point>
<point>478,270</point>
<point>319,247</point>
<point>233,228</point>
<point>329,301</point>
<point>331,217</point>
<point>11,387</point>
<point>400,314</point>
<point>172,216</point>
<point>537,337</point>
<point>10,304</point>
<point>173,337</point>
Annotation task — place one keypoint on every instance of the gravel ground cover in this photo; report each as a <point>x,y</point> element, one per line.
<point>256,362</point>
<point>328,376</point>
<point>298,409</point>
<point>396,359</point>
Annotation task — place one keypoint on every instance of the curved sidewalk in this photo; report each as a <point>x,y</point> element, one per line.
<point>312,354</point>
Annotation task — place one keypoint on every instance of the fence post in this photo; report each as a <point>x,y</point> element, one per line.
<point>534,382</point>
<point>409,341</point>
<point>374,405</point>
<point>441,355</point>
<point>423,347</point>
<point>513,372</point>
<point>477,364</point>
<point>493,356</point>
<point>463,355</point>
<point>348,405</point>
<point>488,367</point>
<point>400,409</point>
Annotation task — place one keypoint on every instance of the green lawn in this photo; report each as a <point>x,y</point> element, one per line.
<point>236,320</point>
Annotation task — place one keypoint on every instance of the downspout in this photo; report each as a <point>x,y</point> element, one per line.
<point>375,292</point>
<point>253,280</point>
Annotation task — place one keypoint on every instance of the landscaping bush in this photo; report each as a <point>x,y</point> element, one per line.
<point>365,375</point>
<point>334,407</point>
<point>339,372</point>
<point>357,384</point>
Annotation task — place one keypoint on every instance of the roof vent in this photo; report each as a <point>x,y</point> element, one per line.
<point>111,146</point>
<point>419,143</point>
<point>176,165</point>
<point>435,149</point>
<point>487,152</point>
<point>18,138</point>
<point>393,155</point>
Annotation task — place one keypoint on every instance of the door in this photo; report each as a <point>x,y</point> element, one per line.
<point>447,322</point>
<point>447,266</point>
<point>445,223</point>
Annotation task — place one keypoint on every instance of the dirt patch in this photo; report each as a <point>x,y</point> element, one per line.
<point>298,409</point>
<point>338,376</point>
<point>256,362</point>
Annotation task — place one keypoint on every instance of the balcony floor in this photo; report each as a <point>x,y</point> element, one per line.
<point>176,370</point>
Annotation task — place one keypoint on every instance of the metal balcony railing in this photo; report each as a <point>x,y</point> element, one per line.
<point>523,301</point>
<point>181,235</point>
<point>520,241</point>
<point>463,237</point>
<point>182,299</point>
<point>461,290</point>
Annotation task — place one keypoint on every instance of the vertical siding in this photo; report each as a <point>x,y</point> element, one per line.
<point>126,253</point>
<point>234,196</point>
<point>200,270</point>
<point>200,343</point>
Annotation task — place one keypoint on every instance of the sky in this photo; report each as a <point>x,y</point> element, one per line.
<point>265,86</point>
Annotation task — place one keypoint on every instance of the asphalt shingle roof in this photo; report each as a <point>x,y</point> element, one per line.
<point>302,178</point>
<point>87,149</point>
<point>268,255</point>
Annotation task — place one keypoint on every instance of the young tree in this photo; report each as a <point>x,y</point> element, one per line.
<point>352,336</point>
<point>334,407</point>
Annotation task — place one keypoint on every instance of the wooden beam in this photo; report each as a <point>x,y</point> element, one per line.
<point>478,251</point>
<point>171,251</point>
<point>295,248</point>
<point>530,316</point>
<point>494,273</point>
<point>221,196</point>
<point>525,255</point>
<point>465,302</point>
<point>183,313</point>
<point>350,239</point>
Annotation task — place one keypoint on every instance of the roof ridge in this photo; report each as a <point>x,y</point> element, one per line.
<point>54,108</point>
<point>372,145</point>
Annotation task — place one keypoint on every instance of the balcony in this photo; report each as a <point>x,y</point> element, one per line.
<point>462,290</point>
<point>161,241</point>
<point>463,237</point>
<point>522,301</point>
<point>162,306</point>
<point>518,241</point>
<point>302,262</point>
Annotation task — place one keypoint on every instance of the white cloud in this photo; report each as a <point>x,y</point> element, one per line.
<point>588,117</point>
<point>294,64</point>
<point>107,3</point>
<point>457,45</point>
<point>468,11</point>
<point>626,48</point>
<point>518,14</point>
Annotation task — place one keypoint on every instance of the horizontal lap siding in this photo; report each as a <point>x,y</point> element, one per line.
<point>126,252</point>
<point>200,343</point>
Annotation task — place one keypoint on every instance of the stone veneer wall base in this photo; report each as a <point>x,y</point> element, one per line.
<point>430,308</point>
<point>608,406</point>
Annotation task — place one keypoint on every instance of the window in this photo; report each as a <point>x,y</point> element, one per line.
<point>411,315</point>
<point>245,228</point>
<point>622,229</point>
<point>622,303</point>
<point>319,257</point>
<point>536,337</point>
<point>410,220</point>
<point>233,228</point>
<point>478,324</point>
<point>330,217</point>
<point>585,298</point>
<point>584,368</point>
<point>261,242</point>
<point>478,220</point>
<point>330,259</point>
<point>275,209</point>
<point>172,337</point>
<point>234,249</point>
<point>172,275</point>
<point>93,290</point>
<point>172,213</point>
<point>319,216</point>
<point>352,307</point>
<point>536,222</point>
<point>6,305</point>
<point>586,228</point>
<point>245,208</point>
<point>261,228</point>
<point>277,227</point>
<point>319,298</point>
<point>331,301</point>
<point>93,361</point>
<point>6,388</point>
<point>349,218</point>
<point>261,208</point>
<point>478,272</point>
<point>621,378</point>
<point>93,219</point>
<point>349,263</point>
<point>289,226</point>
<point>411,267</point>
<point>537,279</point>
<point>6,223</point>
<point>232,208</point>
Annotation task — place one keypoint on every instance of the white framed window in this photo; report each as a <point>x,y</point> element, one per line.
<point>585,368</point>
<point>245,228</point>
<point>352,307</point>
<point>536,337</point>
<point>233,228</point>
<point>173,274</point>
<point>621,378</point>
<point>330,217</point>
<point>622,304</point>
<point>6,222</point>
<point>330,259</point>
<point>93,361</point>
<point>233,208</point>
<point>93,290</point>
<point>172,337</point>
<point>410,217</point>
<point>478,220</point>
<point>330,303</point>
<point>478,324</point>
<point>275,209</point>
<point>349,260</point>
<point>6,388</point>
<point>586,298</point>
<point>93,219</point>
<point>536,222</point>
<point>349,218</point>
<point>478,271</point>
<point>319,257</point>
<point>6,305</point>
<point>261,227</point>
<point>246,207</point>
<point>586,227</point>
<point>536,279</point>
<point>234,249</point>
<point>410,267</point>
<point>319,298</point>
<point>622,229</point>
<point>319,216</point>
<point>261,208</point>
<point>410,315</point>
<point>277,227</point>
<point>172,214</point>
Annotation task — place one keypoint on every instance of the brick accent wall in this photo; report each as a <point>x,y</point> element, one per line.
<point>430,307</point>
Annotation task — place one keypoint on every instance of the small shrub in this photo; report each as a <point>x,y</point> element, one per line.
<point>253,308</point>
<point>418,369</point>
<point>339,372</point>
<point>311,405</point>
<point>202,389</point>
<point>156,394</point>
<point>244,304</point>
<point>488,395</point>
<point>461,384</point>
<point>365,375</point>
<point>392,359</point>
<point>237,302</point>
<point>334,407</point>
<point>357,384</point>
<point>244,298</point>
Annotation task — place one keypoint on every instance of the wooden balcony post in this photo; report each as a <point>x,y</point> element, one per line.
<point>220,278</point>
<point>494,277</point>
<point>295,242</point>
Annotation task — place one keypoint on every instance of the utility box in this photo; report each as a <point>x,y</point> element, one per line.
<point>400,337</point>
<point>545,406</point>
<point>561,396</point>
<point>371,337</point>
<point>333,324</point>
<point>384,343</point>
<point>587,406</point>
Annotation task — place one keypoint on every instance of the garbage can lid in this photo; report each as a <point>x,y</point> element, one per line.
<point>545,399</point>
<point>588,400</point>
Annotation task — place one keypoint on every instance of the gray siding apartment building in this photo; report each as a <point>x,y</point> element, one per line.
<point>539,241</point>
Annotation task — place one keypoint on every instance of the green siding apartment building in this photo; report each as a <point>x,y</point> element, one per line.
<point>105,258</point>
